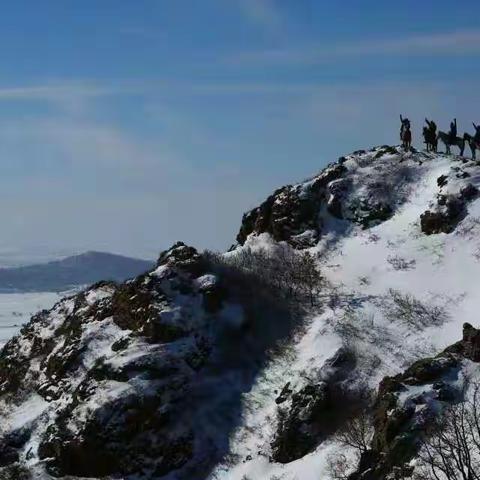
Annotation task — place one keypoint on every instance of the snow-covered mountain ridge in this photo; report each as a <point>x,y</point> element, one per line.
<point>176,375</point>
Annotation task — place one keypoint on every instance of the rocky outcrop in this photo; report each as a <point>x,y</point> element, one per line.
<point>449,212</point>
<point>309,415</point>
<point>107,374</point>
<point>452,201</point>
<point>292,213</point>
<point>299,214</point>
<point>408,402</point>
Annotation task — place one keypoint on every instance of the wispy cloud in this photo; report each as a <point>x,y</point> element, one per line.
<point>54,92</point>
<point>466,42</point>
<point>68,96</point>
<point>264,13</point>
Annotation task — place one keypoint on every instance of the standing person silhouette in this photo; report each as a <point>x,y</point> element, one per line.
<point>432,127</point>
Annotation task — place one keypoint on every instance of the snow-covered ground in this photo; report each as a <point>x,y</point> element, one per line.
<point>392,295</point>
<point>371,272</point>
<point>17,308</point>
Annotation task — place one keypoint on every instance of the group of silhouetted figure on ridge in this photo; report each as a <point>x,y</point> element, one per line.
<point>431,137</point>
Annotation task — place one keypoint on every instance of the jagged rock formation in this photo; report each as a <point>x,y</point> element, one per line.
<point>297,213</point>
<point>400,417</point>
<point>291,213</point>
<point>105,374</point>
<point>451,205</point>
<point>310,415</point>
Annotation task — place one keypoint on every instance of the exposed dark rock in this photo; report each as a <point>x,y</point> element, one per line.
<point>309,415</point>
<point>291,211</point>
<point>337,190</point>
<point>469,192</point>
<point>442,180</point>
<point>469,346</point>
<point>284,394</point>
<point>184,258</point>
<point>398,425</point>
<point>371,214</point>
<point>451,210</point>
<point>301,426</point>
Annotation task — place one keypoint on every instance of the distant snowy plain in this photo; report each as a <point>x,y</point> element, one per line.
<point>17,308</point>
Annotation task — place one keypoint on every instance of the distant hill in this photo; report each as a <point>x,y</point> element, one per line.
<point>71,272</point>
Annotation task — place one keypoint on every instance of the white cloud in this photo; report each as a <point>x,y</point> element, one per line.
<point>68,96</point>
<point>466,42</point>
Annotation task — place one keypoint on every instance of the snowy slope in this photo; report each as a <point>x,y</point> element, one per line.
<point>363,266</point>
<point>170,375</point>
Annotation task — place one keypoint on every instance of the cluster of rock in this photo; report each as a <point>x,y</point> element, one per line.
<point>451,205</point>
<point>346,190</point>
<point>107,374</point>
<point>292,213</point>
<point>308,416</point>
<point>400,419</point>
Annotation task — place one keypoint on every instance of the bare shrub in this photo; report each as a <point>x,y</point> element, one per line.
<point>339,467</point>
<point>468,228</point>
<point>289,274</point>
<point>451,446</point>
<point>355,434</point>
<point>358,432</point>
<point>277,290</point>
<point>405,308</point>
<point>356,326</point>
<point>400,264</point>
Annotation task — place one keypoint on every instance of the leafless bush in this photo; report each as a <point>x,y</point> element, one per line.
<point>451,446</point>
<point>356,434</point>
<point>468,228</point>
<point>356,325</point>
<point>407,309</point>
<point>339,467</point>
<point>399,263</point>
<point>285,272</point>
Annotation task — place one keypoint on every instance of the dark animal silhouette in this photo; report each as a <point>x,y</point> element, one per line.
<point>430,138</point>
<point>473,140</point>
<point>472,143</point>
<point>449,141</point>
<point>405,133</point>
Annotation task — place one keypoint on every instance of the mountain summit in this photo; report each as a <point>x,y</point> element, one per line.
<point>326,344</point>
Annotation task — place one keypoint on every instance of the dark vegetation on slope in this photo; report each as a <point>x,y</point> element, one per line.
<point>61,275</point>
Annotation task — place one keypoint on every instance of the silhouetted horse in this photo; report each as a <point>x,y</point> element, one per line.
<point>447,141</point>
<point>406,138</point>
<point>472,143</point>
<point>431,140</point>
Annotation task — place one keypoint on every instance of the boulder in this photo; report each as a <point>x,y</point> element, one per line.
<point>450,211</point>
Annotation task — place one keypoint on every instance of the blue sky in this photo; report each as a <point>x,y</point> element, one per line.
<point>125,126</point>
